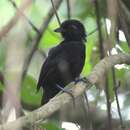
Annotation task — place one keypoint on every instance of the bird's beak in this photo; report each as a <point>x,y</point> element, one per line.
<point>58,30</point>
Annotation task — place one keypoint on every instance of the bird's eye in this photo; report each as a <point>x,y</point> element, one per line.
<point>74,27</point>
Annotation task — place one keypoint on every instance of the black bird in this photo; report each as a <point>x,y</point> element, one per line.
<point>65,61</point>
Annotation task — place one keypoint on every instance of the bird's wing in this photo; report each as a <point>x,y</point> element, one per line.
<point>56,56</point>
<point>49,65</point>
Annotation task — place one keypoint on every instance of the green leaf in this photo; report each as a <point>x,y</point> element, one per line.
<point>50,38</point>
<point>29,93</point>
<point>2,55</point>
<point>51,126</point>
<point>125,47</point>
<point>88,66</point>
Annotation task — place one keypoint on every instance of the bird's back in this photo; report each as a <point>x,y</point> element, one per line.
<point>63,65</point>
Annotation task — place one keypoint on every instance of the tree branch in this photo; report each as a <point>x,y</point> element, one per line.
<point>55,11</point>
<point>68,9</point>
<point>15,19</point>
<point>24,16</point>
<point>124,16</point>
<point>55,103</point>
<point>37,39</point>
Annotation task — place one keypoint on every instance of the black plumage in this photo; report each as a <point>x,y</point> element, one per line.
<point>65,61</point>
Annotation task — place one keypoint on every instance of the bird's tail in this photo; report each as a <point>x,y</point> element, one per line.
<point>48,94</point>
<point>45,98</point>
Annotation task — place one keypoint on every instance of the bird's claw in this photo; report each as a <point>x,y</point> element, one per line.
<point>68,91</point>
<point>84,79</point>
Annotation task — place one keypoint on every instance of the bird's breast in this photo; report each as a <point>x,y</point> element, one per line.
<point>75,60</point>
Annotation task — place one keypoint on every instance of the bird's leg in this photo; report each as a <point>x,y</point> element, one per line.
<point>64,90</point>
<point>68,91</point>
<point>78,79</point>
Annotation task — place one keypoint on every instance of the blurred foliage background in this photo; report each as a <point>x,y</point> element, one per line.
<point>85,11</point>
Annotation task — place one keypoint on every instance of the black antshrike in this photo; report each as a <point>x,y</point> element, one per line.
<point>65,61</point>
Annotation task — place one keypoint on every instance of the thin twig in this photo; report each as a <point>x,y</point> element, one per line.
<point>123,14</point>
<point>88,110</point>
<point>124,27</point>
<point>108,104</point>
<point>112,8</point>
<point>94,30</point>
<point>14,20</point>
<point>115,89</point>
<point>97,11</point>
<point>28,20</point>
<point>37,39</point>
<point>68,9</point>
<point>107,91</point>
<point>42,53</point>
<point>117,100</point>
<point>99,28</point>
<point>58,19</point>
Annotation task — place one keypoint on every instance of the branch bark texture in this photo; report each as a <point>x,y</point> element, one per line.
<point>55,103</point>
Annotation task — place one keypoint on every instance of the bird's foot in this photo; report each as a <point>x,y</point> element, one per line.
<point>84,79</point>
<point>68,91</point>
<point>64,90</point>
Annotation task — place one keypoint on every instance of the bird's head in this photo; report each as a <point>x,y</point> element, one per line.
<point>72,30</point>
